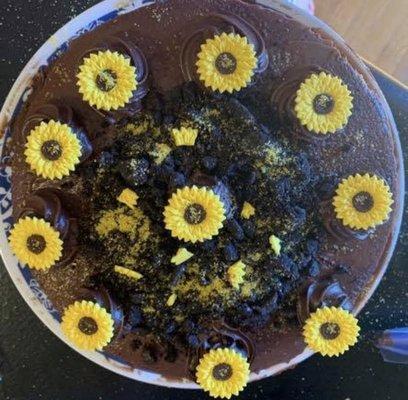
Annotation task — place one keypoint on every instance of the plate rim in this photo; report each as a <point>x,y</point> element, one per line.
<point>10,107</point>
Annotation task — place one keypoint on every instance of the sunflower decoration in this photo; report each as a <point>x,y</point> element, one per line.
<point>194,214</point>
<point>52,150</point>
<point>223,373</point>
<point>226,62</point>
<point>331,331</point>
<point>362,201</point>
<point>236,273</point>
<point>107,80</point>
<point>35,243</point>
<point>87,325</point>
<point>184,136</point>
<point>323,103</point>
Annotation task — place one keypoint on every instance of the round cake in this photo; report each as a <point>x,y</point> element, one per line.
<point>205,189</point>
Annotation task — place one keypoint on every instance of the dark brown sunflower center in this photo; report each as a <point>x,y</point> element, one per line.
<point>222,372</point>
<point>51,150</point>
<point>330,330</point>
<point>363,202</point>
<point>195,214</point>
<point>323,103</point>
<point>36,244</point>
<point>226,63</point>
<point>106,80</point>
<point>88,325</point>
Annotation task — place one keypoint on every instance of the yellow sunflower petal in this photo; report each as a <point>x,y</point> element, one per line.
<point>236,273</point>
<point>130,273</point>
<point>171,300</point>
<point>35,243</point>
<point>248,210</point>
<point>182,256</point>
<point>323,103</point>
<point>194,214</point>
<point>276,244</point>
<point>184,136</point>
<point>331,331</point>
<point>107,80</point>
<point>226,62</point>
<point>223,373</point>
<point>128,197</point>
<point>362,201</point>
<point>87,325</point>
<point>52,150</point>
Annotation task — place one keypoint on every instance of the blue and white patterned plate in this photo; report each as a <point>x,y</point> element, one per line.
<point>21,276</point>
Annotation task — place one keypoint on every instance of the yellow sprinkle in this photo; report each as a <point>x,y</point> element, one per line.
<point>132,222</point>
<point>160,152</point>
<point>171,300</point>
<point>126,223</point>
<point>249,288</point>
<point>236,273</point>
<point>275,243</point>
<point>137,129</point>
<point>255,256</point>
<point>206,293</point>
<point>247,210</point>
<point>128,197</point>
<point>149,310</point>
<point>128,272</point>
<point>182,256</point>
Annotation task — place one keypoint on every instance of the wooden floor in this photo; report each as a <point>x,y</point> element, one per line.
<point>376,29</point>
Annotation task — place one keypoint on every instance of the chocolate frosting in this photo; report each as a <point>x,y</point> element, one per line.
<point>220,335</point>
<point>102,296</point>
<point>215,24</point>
<point>46,203</point>
<point>320,292</point>
<point>335,227</point>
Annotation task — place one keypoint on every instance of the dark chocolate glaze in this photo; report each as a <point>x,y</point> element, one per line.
<point>335,227</point>
<point>220,335</point>
<point>367,144</point>
<point>321,292</point>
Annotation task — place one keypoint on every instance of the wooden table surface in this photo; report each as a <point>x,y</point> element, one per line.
<point>376,29</point>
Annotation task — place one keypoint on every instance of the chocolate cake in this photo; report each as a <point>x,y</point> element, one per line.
<point>207,209</point>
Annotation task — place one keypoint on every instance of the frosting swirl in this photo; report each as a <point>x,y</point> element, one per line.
<point>325,292</point>
<point>62,113</point>
<point>102,296</point>
<point>220,335</point>
<point>335,227</point>
<point>283,101</point>
<point>215,24</point>
<point>46,203</point>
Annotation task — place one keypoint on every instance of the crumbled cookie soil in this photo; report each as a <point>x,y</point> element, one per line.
<point>239,160</point>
